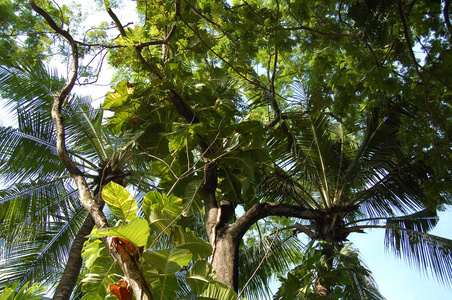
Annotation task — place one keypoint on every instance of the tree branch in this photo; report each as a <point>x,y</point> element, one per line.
<point>266,209</point>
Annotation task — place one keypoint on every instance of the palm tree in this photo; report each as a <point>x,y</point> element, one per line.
<point>358,182</point>
<point>43,221</point>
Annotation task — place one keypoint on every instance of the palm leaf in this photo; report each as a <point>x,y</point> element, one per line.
<point>362,287</point>
<point>279,186</point>
<point>28,87</point>
<point>284,253</point>
<point>36,254</point>
<point>432,254</point>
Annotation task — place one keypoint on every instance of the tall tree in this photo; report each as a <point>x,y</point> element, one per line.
<point>43,220</point>
<point>358,184</point>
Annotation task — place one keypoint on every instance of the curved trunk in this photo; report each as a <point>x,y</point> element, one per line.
<point>74,262</point>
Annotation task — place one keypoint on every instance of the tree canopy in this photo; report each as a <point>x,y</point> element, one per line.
<point>231,130</point>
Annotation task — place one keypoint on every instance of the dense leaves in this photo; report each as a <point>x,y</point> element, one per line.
<point>337,111</point>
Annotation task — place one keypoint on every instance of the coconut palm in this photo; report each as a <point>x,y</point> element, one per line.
<point>358,182</point>
<point>42,220</point>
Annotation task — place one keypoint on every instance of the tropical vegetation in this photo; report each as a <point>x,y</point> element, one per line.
<point>241,141</point>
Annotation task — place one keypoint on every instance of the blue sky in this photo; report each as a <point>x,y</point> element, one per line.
<point>395,278</point>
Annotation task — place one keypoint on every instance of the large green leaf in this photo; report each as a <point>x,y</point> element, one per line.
<point>186,239</point>
<point>158,205</point>
<point>200,279</point>
<point>120,201</point>
<point>168,261</point>
<point>136,232</point>
<point>164,264</point>
<point>101,274</point>
<point>192,201</point>
<point>118,97</point>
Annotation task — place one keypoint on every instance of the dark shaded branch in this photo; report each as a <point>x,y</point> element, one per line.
<point>266,209</point>
<point>210,203</point>
<point>304,229</point>
<point>446,15</point>
<point>74,262</point>
<point>355,35</point>
<point>182,107</point>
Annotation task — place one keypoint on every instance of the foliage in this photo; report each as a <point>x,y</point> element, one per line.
<point>337,108</point>
<point>343,271</point>
<point>33,292</point>
<point>183,261</point>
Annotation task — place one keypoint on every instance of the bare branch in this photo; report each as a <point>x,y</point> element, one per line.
<point>266,209</point>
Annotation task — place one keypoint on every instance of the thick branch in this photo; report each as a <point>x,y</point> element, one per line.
<point>74,262</point>
<point>357,34</point>
<point>266,209</point>
<point>210,203</point>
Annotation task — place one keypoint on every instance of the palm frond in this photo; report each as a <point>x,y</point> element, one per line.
<point>28,153</point>
<point>283,254</point>
<point>432,254</point>
<point>84,133</point>
<point>398,190</point>
<point>422,221</point>
<point>29,87</point>
<point>362,287</point>
<point>34,203</point>
<point>39,255</point>
<point>279,186</point>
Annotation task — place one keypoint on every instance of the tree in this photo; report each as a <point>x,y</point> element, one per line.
<point>369,184</point>
<point>206,89</point>
<point>41,212</point>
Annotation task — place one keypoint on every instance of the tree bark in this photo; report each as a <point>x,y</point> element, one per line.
<point>225,262</point>
<point>74,262</point>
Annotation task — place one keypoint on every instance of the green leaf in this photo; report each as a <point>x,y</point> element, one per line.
<point>96,283</point>
<point>165,263</point>
<point>120,201</point>
<point>168,261</point>
<point>160,204</point>
<point>34,292</point>
<point>192,201</point>
<point>91,251</point>
<point>136,232</point>
<point>186,239</point>
<point>202,283</point>
<point>118,97</point>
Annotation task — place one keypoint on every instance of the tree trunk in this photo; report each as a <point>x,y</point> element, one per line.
<point>225,261</point>
<point>74,262</point>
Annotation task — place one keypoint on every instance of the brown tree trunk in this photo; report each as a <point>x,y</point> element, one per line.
<point>225,261</point>
<point>74,262</point>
